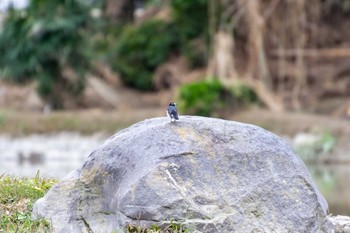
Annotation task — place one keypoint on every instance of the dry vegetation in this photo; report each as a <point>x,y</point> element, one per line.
<point>292,54</point>
<point>85,122</point>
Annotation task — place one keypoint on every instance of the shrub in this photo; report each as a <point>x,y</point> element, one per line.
<point>38,43</point>
<point>313,150</point>
<point>202,98</point>
<point>191,24</point>
<point>190,18</point>
<point>195,52</point>
<point>209,98</point>
<point>141,49</point>
<point>243,95</point>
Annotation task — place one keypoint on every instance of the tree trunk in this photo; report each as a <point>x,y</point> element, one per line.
<point>257,64</point>
<point>120,11</point>
<point>222,63</point>
<point>300,73</point>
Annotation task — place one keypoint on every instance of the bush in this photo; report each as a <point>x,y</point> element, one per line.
<point>210,98</point>
<point>243,95</point>
<point>190,18</point>
<point>313,150</point>
<point>202,98</point>
<point>141,49</point>
<point>191,24</point>
<point>195,52</point>
<point>38,43</point>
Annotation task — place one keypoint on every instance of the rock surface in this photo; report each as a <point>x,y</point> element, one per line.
<point>341,224</point>
<point>211,175</point>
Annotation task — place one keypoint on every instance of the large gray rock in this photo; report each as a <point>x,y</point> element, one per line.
<point>341,224</point>
<point>210,174</point>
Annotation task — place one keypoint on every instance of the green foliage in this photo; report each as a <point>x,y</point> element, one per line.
<point>190,18</point>
<point>324,178</point>
<point>195,52</point>
<point>38,43</point>
<point>22,222</point>
<point>16,199</point>
<point>141,49</point>
<point>191,24</point>
<point>173,227</point>
<point>102,45</point>
<point>13,189</point>
<point>202,98</point>
<point>207,98</point>
<point>324,145</point>
<point>243,94</point>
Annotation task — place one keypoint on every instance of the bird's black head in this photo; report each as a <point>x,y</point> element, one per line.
<point>172,104</point>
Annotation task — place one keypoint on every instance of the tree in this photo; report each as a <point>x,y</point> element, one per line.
<point>45,43</point>
<point>120,11</point>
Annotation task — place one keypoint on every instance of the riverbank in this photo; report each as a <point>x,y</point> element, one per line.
<point>56,143</point>
<point>17,123</point>
<point>86,122</point>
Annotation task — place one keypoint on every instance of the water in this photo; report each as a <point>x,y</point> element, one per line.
<point>54,155</point>
<point>333,181</point>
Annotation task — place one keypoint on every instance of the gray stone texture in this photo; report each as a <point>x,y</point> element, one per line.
<point>341,224</point>
<point>209,174</point>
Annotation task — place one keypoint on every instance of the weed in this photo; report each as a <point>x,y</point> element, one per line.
<point>172,227</point>
<point>323,145</point>
<point>17,196</point>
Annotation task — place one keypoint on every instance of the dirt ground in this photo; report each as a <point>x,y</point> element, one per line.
<point>110,108</point>
<point>289,124</point>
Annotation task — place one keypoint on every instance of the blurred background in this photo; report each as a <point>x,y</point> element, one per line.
<point>74,72</point>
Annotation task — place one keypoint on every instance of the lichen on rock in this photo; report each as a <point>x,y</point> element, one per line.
<point>211,175</point>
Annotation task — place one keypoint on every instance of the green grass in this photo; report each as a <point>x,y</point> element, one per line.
<point>172,227</point>
<point>17,196</point>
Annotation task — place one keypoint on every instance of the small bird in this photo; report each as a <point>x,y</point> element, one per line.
<point>171,111</point>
